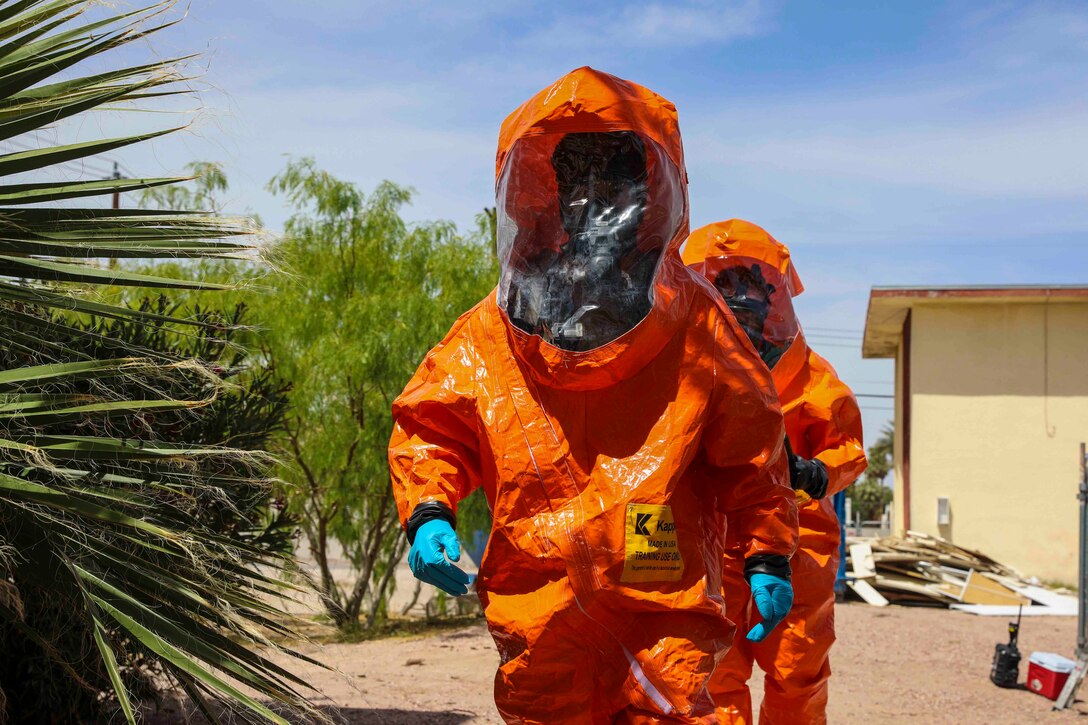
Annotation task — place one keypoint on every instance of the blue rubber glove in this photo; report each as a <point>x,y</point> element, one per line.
<point>773,596</point>
<point>436,540</point>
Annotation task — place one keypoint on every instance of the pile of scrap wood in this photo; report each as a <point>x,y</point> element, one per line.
<point>923,570</point>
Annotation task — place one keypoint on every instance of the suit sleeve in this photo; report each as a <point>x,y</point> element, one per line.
<point>832,426</point>
<point>744,447</point>
<point>434,452</point>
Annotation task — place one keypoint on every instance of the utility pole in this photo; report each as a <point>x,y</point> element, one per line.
<point>1069,692</point>
<point>116,194</point>
<point>113,263</point>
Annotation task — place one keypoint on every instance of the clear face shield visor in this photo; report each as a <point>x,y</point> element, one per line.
<point>761,299</point>
<point>583,221</point>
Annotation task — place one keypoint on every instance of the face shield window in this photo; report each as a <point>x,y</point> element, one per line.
<point>583,220</point>
<point>761,299</point>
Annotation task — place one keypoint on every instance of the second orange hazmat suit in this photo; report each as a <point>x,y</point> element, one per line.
<point>823,422</point>
<point>612,470</point>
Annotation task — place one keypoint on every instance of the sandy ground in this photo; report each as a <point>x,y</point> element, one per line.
<point>891,665</point>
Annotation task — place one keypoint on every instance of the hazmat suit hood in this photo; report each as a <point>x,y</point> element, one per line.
<point>592,207</point>
<point>755,277</point>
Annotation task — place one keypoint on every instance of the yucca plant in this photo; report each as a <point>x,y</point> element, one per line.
<point>105,493</point>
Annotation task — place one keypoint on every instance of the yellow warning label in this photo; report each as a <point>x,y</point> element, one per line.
<point>652,554</point>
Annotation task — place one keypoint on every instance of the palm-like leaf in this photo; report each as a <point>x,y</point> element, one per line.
<point>99,504</point>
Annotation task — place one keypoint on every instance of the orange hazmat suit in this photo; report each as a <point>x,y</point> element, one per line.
<point>823,422</point>
<point>616,435</point>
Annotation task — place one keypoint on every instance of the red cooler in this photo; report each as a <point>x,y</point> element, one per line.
<point>1047,673</point>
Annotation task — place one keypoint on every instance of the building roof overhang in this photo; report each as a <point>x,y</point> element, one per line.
<point>888,306</point>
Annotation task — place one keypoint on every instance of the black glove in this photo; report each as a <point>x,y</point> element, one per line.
<point>809,476</point>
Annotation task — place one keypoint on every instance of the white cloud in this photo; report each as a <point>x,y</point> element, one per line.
<point>687,23</point>
<point>1033,37</point>
<point>351,15</point>
<point>1035,154</point>
<point>981,144</point>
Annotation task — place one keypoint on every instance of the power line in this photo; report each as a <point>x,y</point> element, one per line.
<point>77,166</point>
<point>873,395</point>
<point>851,330</point>
<point>93,167</point>
<point>19,145</point>
<point>814,332</point>
<point>77,169</point>
<point>842,345</point>
<point>127,170</point>
<point>821,330</point>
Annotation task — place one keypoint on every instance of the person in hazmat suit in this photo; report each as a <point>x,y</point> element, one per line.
<point>755,277</point>
<point>616,418</point>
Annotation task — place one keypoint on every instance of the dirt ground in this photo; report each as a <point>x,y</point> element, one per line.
<point>891,665</point>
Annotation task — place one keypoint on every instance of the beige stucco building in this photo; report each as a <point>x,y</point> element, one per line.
<point>991,406</point>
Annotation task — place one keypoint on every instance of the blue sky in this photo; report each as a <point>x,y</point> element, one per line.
<point>907,143</point>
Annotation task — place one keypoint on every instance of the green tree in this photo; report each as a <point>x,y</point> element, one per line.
<point>870,495</point>
<point>473,513</point>
<point>364,295</point>
<point>106,501</point>
<point>208,182</point>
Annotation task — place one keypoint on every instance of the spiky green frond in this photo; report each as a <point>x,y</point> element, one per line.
<point>128,502</point>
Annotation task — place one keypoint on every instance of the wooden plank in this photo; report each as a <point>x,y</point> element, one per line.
<point>866,591</point>
<point>921,569</point>
<point>1058,602</point>
<point>893,557</point>
<point>902,584</point>
<point>919,574</point>
<point>912,600</point>
<point>1072,684</point>
<point>861,560</point>
<point>954,581</point>
<point>981,590</point>
<point>1011,582</point>
<point>1006,610</point>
